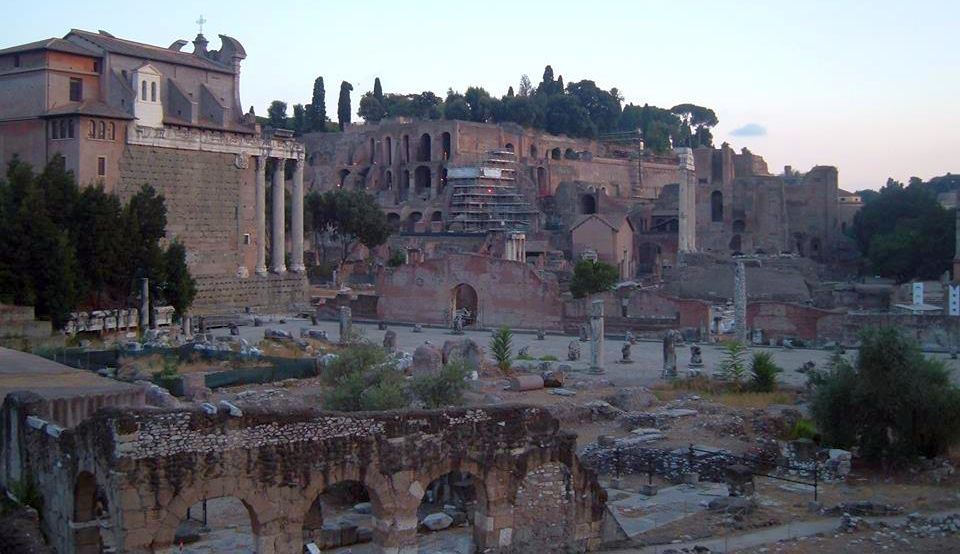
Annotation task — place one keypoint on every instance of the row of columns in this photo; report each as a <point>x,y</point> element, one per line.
<point>277,231</point>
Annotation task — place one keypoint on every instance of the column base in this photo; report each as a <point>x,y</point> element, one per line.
<point>261,271</point>
<point>281,269</point>
<point>300,268</point>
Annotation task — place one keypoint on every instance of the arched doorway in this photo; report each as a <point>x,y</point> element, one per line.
<point>212,523</point>
<point>421,181</point>
<point>345,505</point>
<point>406,148</point>
<point>412,221</point>
<point>716,206</point>
<point>464,300</point>
<point>343,177</point>
<point>588,204</point>
<point>533,151</point>
<point>423,150</point>
<point>445,140</point>
<point>388,142</point>
<point>89,508</point>
<point>448,512</point>
<point>442,180</point>
<point>736,244</point>
<point>555,154</point>
<point>509,146</point>
<point>393,220</point>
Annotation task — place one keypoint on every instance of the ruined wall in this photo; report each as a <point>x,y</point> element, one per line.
<point>640,310</point>
<point>153,465</point>
<point>229,294</point>
<point>508,293</point>
<point>780,320</point>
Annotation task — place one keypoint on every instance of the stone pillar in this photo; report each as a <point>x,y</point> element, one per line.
<point>296,220</point>
<point>260,216</point>
<point>144,316</point>
<point>596,337</point>
<point>740,302</point>
<point>434,183</point>
<point>346,324</point>
<point>277,264</point>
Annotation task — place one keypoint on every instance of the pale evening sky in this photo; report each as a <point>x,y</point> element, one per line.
<point>869,86</point>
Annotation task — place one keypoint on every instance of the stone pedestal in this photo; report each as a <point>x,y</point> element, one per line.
<point>346,325</point>
<point>596,337</point>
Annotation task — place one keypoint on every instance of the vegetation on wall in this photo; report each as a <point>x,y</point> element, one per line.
<point>62,248</point>
<point>591,277</point>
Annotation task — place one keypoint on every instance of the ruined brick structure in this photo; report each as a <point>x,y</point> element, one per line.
<point>150,466</point>
<point>125,114</point>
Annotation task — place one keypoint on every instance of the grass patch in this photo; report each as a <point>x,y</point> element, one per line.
<point>726,393</point>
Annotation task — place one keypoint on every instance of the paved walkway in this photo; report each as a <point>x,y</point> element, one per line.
<point>768,535</point>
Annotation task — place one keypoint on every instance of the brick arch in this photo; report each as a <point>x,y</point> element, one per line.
<point>255,501</point>
<point>493,487</point>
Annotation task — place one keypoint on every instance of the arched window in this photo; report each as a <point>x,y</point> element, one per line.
<point>54,130</point>
<point>588,204</point>
<point>143,91</point>
<point>555,154</point>
<point>63,128</point>
<point>153,91</point>
<point>716,206</point>
<point>70,128</point>
<point>102,134</point>
<point>113,131</point>
<point>93,129</point>
<point>533,151</point>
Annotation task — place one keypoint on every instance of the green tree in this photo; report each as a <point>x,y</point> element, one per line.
<point>763,372</point>
<point>456,107</point>
<point>277,114</point>
<point>526,89</point>
<point>591,277</point>
<point>894,404</point>
<point>905,233</point>
<point>377,90</point>
<point>179,287</point>
<point>343,105</point>
<point>99,246</point>
<point>348,216</point>
<point>563,114</point>
<point>317,114</point>
<point>299,118</point>
<point>501,348</point>
<point>371,109</point>
<point>602,107</point>
<point>696,124</point>
<point>444,389</point>
<point>733,366</point>
<point>481,104</point>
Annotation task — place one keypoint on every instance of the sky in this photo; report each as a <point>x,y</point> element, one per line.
<point>871,87</point>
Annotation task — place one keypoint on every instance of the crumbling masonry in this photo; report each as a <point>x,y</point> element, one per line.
<point>151,465</point>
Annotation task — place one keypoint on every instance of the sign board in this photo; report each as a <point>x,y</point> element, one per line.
<point>918,293</point>
<point>953,307</point>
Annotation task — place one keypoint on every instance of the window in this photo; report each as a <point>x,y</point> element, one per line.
<point>76,90</point>
<point>102,134</point>
<point>153,92</point>
<point>63,128</point>
<point>246,238</point>
<point>143,91</point>
<point>70,128</point>
<point>96,66</point>
<point>54,130</point>
<point>716,206</point>
<point>113,131</point>
<point>101,166</point>
<point>92,133</point>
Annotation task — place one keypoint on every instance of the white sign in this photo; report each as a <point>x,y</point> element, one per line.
<point>954,303</point>
<point>918,293</point>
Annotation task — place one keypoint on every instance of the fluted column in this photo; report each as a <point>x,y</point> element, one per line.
<point>260,219</point>
<point>277,264</point>
<point>296,219</point>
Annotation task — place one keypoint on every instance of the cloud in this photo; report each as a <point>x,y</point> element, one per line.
<point>750,130</point>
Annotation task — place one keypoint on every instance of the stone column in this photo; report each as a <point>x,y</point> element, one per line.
<point>740,302</point>
<point>296,220</point>
<point>277,264</point>
<point>346,324</point>
<point>434,183</point>
<point>260,216</point>
<point>596,337</point>
<point>144,315</point>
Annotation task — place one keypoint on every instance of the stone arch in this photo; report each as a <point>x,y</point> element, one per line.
<point>509,146</point>
<point>716,206</point>
<point>588,204</point>
<point>739,226</point>
<point>342,177</point>
<point>412,221</point>
<point>389,180</point>
<point>88,505</point>
<point>464,296</point>
<point>736,243</point>
<point>393,220</point>
<point>255,502</point>
<point>421,180</point>
<point>337,496</point>
<point>446,145</point>
<point>388,150</point>
<point>437,216</point>
<point>543,187</point>
<point>555,154</point>
<point>423,148</point>
<point>545,489</point>
<point>533,151</point>
<point>570,154</point>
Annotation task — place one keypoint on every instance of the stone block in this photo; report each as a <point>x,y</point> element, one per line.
<point>522,383</point>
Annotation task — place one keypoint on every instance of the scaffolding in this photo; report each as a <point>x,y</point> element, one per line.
<point>485,196</point>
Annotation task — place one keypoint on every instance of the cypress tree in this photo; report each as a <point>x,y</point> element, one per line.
<point>317,116</point>
<point>343,105</point>
<point>378,90</point>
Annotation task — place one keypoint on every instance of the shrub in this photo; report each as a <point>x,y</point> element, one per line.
<point>345,394</point>
<point>549,358</point>
<point>894,404</point>
<point>763,372</point>
<point>591,277</point>
<point>357,358</point>
<point>501,348</point>
<point>802,429</point>
<point>383,395</point>
<point>396,258</point>
<point>445,389</point>
<point>733,366</point>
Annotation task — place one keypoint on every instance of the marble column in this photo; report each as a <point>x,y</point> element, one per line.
<point>596,337</point>
<point>740,302</point>
<point>296,219</point>
<point>277,264</point>
<point>260,215</point>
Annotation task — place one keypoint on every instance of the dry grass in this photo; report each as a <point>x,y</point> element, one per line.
<point>720,392</point>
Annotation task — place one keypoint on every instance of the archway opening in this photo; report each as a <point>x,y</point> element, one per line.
<point>570,154</point>
<point>423,149</point>
<point>555,154</point>
<point>389,181</point>
<point>437,216</point>
<point>412,221</point>
<point>90,514</point>
<point>736,244</point>
<point>533,151</point>
<point>421,181</point>
<point>447,514</point>
<point>588,204</point>
<point>222,524</point>
<point>388,150</point>
<point>342,180</point>
<point>466,303</point>
<point>406,148</point>
<point>716,206</point>
<point>509,146</point>
<point>339,517</point>
<point>393,220</point>
<point>447,147</point>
